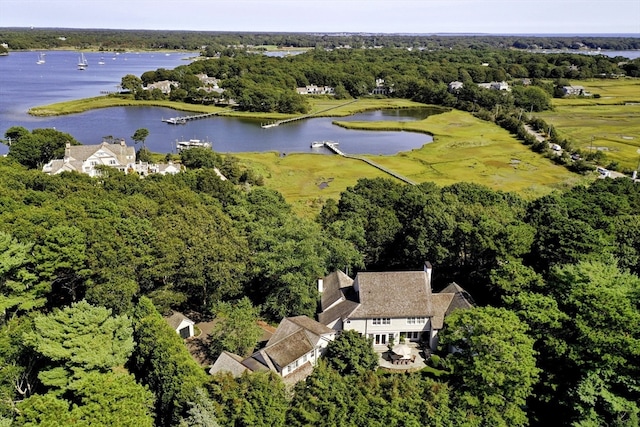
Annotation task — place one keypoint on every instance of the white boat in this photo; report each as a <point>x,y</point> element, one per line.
<point>101,62</point>
<point>82,63</point>
<point>175,121</point>
<point>318,144</point>
<point>192,143</point>
<point>40,59</point>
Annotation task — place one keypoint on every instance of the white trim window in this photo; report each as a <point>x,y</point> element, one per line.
<point>381,320</point>
<point>416,320</point>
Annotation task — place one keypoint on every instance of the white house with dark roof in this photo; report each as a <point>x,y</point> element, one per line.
<point>387,306</point>
<point>291,352</point>
<point>85,158</point>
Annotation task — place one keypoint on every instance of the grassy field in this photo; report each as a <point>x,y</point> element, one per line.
<point>610,123</point>
<point>464,149</point>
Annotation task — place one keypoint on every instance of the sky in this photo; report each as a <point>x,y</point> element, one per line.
<point>370,16</point>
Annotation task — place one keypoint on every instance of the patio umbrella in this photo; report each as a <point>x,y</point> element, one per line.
<point>402,350</point>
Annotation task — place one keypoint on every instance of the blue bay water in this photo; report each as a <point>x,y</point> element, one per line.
<point>25,84</point>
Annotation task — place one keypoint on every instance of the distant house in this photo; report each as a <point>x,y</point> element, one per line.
<point>495,86</point>
<point>209,84</point>
<point>181,324</point>
<point>164,86</point>
<point>315,90</point>
<point>455,86</point>
<point>85,158</point>
<point>381,88</point>
<point>291,352</point>
<point>574,91</point>
<point>385,306</point>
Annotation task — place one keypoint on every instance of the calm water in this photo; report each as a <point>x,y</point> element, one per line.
<point>25,84</point>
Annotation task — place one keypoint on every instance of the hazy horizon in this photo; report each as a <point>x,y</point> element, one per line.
<point>419,17</point>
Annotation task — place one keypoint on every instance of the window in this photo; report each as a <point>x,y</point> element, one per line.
<point>412,336</point>
<point>416,320</point>
<point>382,321</point>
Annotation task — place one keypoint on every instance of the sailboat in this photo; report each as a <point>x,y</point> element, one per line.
<point>40,59</point>
<point>101,62</point>
<point>82,63</point>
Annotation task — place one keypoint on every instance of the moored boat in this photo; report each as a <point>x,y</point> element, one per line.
<point>192,143</point>
<point>82,63</point>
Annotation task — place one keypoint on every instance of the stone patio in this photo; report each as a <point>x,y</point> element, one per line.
<point>385,360</point>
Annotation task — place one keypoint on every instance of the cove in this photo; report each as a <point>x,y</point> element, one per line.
<point>230,134</point>
<point>28,84</point>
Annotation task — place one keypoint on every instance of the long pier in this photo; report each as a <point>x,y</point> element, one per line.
<point>184,119</point>
<point>306,116</point>
<point>283,121</point>
<point>333,147</point>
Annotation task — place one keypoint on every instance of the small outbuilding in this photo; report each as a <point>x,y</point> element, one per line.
<point>181,324</point>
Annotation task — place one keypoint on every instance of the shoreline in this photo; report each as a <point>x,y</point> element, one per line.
<point>320,108</point>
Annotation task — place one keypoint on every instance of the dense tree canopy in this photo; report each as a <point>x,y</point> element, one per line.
<point>556,279</point>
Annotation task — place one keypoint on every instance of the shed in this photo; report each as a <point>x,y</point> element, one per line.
<point>181,324</point>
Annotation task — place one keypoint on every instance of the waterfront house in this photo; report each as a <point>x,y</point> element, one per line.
<point>164,86</point>
<point>86,158</point>
<point>389,306</point>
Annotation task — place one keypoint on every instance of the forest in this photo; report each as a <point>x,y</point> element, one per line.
<point>88,267</point>
<point>109,40</point>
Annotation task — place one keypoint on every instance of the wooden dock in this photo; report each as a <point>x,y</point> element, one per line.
<point>333,147</point>
<point>184,119</point>
<point>305,116</point>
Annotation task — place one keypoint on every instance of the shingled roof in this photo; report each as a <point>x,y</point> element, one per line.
<point>393,294</point>
<point>76,155</point>
<point>176,318</point>
<point>294,337</point>
<point>333,286</point>
<point>228,362</point>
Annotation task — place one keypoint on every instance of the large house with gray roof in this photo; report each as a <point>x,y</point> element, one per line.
<point>385,306</point>
<point>85,158</point>
<point>291,352</point>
